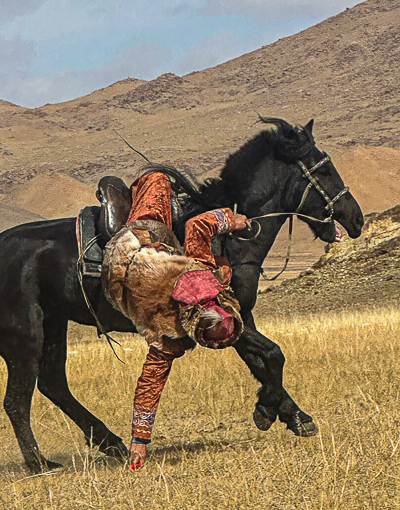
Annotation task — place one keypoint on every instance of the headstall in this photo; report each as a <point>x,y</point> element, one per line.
<point>315,182</point>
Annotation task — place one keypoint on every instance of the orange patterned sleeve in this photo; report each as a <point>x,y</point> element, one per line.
<point>149,388</point>
<point>200,230</point>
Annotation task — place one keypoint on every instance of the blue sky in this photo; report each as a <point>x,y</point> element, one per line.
<point>56,50</point>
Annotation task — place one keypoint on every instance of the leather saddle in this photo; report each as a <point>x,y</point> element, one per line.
<point>97,225</point>
<point>116,202</point>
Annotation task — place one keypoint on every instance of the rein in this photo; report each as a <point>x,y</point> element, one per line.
<point>100,327</point>
<point>314,182</point>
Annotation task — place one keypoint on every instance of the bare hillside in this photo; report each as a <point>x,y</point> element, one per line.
<point>352,275</point>
<point>342,71</point>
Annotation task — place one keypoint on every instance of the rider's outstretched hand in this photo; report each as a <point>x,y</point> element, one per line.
<point>241,221</point>
<point>137,456</point>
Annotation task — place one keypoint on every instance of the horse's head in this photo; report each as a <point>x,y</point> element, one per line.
<point>303,180</point>
<point>323,193</point>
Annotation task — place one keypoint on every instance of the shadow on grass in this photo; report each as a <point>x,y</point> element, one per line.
<point>171,454</point>
<point>76,462</point>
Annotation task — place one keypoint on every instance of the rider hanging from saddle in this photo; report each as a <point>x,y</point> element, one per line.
<point>175,299</point>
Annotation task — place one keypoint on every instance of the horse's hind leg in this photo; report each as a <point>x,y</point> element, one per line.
<point>53,384</point>
<point>17,404</point>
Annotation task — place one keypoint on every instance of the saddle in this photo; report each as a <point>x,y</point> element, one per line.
<point>116,202</point>
<point>96,225</point>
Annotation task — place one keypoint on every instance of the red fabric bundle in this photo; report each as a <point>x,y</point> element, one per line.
<point>221,331</point>
<point>196,286</point>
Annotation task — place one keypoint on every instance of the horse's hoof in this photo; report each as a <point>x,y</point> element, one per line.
<point>42,465</point>
<point>301,428</point>
<point>119,451</point>
<point>111,445</point>
<point>261,419</point>
<point>49,465</point>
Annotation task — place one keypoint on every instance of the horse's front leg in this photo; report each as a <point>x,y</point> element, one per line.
<point>265,361</point>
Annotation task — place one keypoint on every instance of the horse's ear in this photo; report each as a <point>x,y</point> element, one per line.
<point>309,126</point>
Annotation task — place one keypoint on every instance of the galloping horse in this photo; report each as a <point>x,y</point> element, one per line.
<point>280,170</point>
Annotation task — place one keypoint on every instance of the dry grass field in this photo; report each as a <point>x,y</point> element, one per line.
<point>206,452</point>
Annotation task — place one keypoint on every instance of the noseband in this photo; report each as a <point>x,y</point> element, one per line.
<point>307,173</point>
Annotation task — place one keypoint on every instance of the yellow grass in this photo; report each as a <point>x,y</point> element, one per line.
<point>206,452</point>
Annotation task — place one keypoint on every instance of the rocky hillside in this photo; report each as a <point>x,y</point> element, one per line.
<point>352,274</point>
<point>342,71</point>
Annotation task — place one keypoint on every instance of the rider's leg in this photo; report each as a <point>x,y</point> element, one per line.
<point>151,199</point>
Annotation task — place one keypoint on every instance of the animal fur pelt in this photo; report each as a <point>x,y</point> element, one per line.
<point>139,282</point>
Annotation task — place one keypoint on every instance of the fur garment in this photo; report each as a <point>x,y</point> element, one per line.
<point>139,281</point>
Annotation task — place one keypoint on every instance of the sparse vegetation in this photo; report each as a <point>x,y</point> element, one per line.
<point>206,453</point>
<point>355,274</point>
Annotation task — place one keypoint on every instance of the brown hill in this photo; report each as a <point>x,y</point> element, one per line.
<point>373,174</point>
<point>11,215</point>
<point>53,196</point>
<point>343,72</point>
<point>355,273</point>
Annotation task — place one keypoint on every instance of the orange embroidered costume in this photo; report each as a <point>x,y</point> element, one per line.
<point>174,299</point>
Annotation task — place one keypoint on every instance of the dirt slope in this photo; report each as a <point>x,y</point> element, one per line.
<point>373,174</point>
<point>11,215</point>
<point>53,196</point>
<point>353,274</point>
<point>342,71</point>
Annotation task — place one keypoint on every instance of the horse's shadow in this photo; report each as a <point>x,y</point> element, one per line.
<point>170,454</point>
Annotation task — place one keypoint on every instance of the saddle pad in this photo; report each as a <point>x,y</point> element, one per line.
<point>86,231</point>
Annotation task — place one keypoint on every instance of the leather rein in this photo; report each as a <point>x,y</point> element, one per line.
<point>313,182</point>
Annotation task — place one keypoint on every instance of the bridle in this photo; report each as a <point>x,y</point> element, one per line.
<point>313,182</point>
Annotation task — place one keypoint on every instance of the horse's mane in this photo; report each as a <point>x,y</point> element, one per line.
<point>182,181</point>
<point>281,140</point>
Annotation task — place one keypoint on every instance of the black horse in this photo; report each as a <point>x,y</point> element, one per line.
<point>277,171</point>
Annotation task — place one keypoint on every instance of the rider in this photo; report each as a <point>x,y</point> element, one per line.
<point>154,284</point>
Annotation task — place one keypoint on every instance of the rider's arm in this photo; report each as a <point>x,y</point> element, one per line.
<point>200,230</point>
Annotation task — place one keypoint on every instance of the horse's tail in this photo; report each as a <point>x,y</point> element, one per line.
<point>181,182</point>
